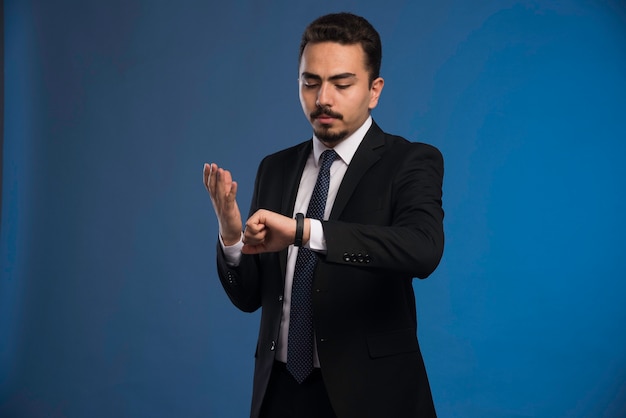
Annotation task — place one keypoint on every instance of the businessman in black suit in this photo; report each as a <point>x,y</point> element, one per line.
<point>353,351</point>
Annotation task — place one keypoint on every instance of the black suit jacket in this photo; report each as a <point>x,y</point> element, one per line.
<point>385,228</point>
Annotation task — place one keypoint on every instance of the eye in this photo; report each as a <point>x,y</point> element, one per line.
<point>309,83</point>
<point>343,86</point>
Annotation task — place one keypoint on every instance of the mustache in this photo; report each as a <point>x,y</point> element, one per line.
<point>325,110</point>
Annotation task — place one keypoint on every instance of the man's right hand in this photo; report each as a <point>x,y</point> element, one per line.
<point>223,192</point>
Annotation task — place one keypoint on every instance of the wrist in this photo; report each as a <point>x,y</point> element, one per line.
<point>306,235</point>
<point>230,239</point>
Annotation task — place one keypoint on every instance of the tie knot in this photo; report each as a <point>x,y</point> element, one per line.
<point>328,157</point>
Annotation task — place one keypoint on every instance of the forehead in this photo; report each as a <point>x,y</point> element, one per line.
<point>328,58</point>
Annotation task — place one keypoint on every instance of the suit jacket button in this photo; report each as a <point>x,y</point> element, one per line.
<point>360,258</point>
<point>273,346</point>
<point>280,298</point>
<point>346,257</point>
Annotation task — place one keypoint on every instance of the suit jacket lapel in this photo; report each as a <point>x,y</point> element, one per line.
<point>291,182</point>
<point>293,166</point>
<point>365,156</point>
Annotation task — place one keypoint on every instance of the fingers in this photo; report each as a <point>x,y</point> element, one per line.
<point>232,195</point>
<point>211,175</point>
<point>254,238</point>
<point>207,172</point>
<point>255,234</point>
<point>255,231</point>
<point>219,183</point>
<point>268,231</point>
<point>253,249</point>
<point>223,192</point>
<point>222,185</point>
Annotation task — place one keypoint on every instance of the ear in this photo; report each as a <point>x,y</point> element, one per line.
<point>375,90</point>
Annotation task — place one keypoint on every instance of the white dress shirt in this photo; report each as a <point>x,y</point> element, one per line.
<point>346,150</point>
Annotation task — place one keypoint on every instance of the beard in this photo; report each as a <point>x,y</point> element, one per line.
<point>324,133</point>
<point>331,138</point>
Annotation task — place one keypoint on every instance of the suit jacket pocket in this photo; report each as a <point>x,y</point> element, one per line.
<point>392,343</point>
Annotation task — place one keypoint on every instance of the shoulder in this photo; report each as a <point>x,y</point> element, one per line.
<point>400,155</point>
<point>288,154</point>
<point>400,144</point>
<point>400,147</point>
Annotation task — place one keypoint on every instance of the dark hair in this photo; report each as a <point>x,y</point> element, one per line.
<point>346,29</point>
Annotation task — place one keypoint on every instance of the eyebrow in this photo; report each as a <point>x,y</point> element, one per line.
<point>335,77</point>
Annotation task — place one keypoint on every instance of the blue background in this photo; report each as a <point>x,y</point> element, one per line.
<point>109,300</point>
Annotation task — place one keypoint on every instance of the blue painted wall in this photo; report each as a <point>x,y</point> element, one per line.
<point>109,300</point>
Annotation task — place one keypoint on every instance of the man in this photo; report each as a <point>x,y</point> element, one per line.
<point>338,326</point>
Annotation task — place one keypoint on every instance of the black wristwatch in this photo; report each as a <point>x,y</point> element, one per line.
<point>299,230</point>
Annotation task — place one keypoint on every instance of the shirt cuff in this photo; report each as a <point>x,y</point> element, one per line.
<point>232,253</point>
<point>317,241</point>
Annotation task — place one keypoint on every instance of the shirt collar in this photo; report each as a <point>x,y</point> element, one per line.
<point>346,148</point>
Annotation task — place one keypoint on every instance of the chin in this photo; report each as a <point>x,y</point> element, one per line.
<point>329,137</point>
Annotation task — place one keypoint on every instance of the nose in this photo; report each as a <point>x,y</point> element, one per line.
<point>324,96</point>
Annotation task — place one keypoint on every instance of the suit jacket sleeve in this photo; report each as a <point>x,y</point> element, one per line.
<point>241,283</point>
<point>261,275</point>
<point>403,230</point>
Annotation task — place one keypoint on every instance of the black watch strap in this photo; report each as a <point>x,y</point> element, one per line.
<point>299,230</point>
